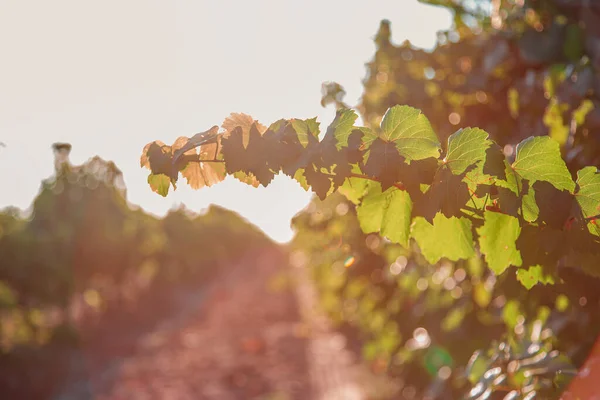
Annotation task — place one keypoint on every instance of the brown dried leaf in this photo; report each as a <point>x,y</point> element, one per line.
<point>200,173</point>
<point>183,144</point>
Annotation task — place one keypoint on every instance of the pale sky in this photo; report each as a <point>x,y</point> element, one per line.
<point>110,76</point>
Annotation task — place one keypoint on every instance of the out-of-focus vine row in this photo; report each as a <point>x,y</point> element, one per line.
<point>83,253</point>
<point>447,329</point>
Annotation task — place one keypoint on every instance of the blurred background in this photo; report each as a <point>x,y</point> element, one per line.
<point>108,291</point>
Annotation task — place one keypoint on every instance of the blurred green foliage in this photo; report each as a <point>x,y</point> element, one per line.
<point>422,323</point>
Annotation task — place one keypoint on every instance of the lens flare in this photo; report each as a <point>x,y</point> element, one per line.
<point>349,261</point>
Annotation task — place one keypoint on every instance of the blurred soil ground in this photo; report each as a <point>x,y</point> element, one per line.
<point>253,333</point>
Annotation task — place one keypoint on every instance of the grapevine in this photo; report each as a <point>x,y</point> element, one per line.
<point>526,212</point>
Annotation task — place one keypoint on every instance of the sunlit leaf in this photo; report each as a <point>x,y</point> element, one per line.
<point>200,173</point>
<point>497,241</point>
<point>466,147</point>
<point>387,212</point>
<point>411,133</point>
<point>587,196</point>
<point>533,275</point>
<point>341,127</point>
<point>306,130</point>
<point>449,238</point>
<point>354,189</point>
<point>159,183</point>
<point>539,159</point>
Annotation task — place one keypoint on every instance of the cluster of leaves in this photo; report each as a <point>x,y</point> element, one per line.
<point>528,68</point>
<point>421,323</point>
<point>513,68</point>
<point>84,247</point>
<point>525,212</point>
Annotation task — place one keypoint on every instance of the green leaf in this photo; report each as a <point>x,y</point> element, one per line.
<point>465,148</point>
<point>533,275</point>
<point>411,132</point>
<point>531,209</point>
<point>341,127</point>
<point>248,179</point>
<point>306,129</point>
<point>447,237</point>
<point>481,179</point>
<point>159,183</point>
<point>299,177</point>
<point>354,188</point>
<point>497,241</point>
<point>516,195</point>
<point>509,180</point>
<point>387,212</point>
<point>538,159</point>
<point>587,196</point>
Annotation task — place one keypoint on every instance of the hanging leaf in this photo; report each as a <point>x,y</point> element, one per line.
<point>539,159</point>
<point>410,131</point>
<point>341,128</point>
<point>446,237</point>
<point>199,169</point>
<point>159,183</point>
<point>497,241</point>
<point>587,196</point>
<point>387,212</point>
<point>529,277</point>
<point>466,147</point>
